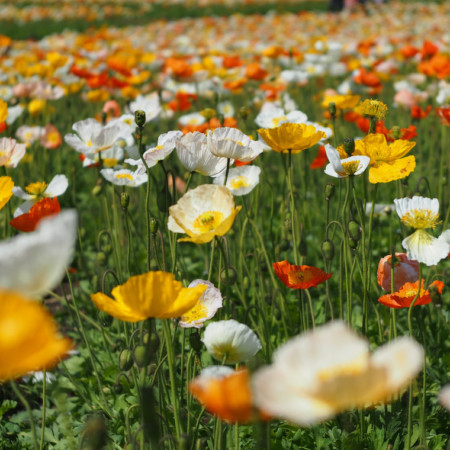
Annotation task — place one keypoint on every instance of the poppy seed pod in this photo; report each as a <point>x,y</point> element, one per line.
<point>154,225</point>
<point>332,109</point>
<point>140,118</point>
<point>124,200</point>
<point>349,145</point>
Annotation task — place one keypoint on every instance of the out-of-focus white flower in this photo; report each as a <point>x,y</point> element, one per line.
<point>206,307</point>
<point>193,152</point>
<point>14,112</point>
<point>149,104</point>
<point>241,180</point>
<point>29,134</point>
<point>233,144</point>
<point>124,177</point>
<point>34,263</point>
<point>226,109</point>
<point>230,341</point>
<point>343,168</point>
<point>194,118</point>
<point>422,213</point>
<point>444,397</point>
<point>272,116</point>
<point>36,191</point>
<point>11,152</point>
<point>322,372</point>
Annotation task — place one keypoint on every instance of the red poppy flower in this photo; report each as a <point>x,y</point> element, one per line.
<point>320,160</point>
<point>299,277</point>
<point>43,208</point>
<point>444,115</point>
<point>418,113</point>
<point>407,293</point>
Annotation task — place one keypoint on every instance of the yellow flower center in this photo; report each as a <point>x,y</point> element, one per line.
<point>352,368</point>
<point>37,188</point>
<point>198,312</point>
<point>89,144</point>
<point>124,175</point>
<point>128,121</point>
<point>420,218</point>
<point>351,167</point>
<point>110,162</point>
<point>239,182</point>
<point>299,277</point>
<point>208,221</point>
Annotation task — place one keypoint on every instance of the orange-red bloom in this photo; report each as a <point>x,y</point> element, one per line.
<point>444,115</point>
<point>407,293</point>
<point>43,208</point>
<point>405,270</point>
<point>418,113</point>
<point>320,160</point>
<point>228,397</point>
<point>299,277</point>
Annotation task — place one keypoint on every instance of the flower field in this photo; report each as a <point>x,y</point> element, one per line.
<point>224,225</point>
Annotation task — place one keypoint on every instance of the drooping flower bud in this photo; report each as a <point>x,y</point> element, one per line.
<point>327,249</point>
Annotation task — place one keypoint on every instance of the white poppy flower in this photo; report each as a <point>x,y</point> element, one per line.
<point>226,109</point>
<point>34,263</point>
<point>272,116</point>
<point>233,144</point>
<point>36,191</point>
<point>322,372</point>
<point>29,134</point>
<point>230,341</point>
<point>205,308</point>
<point>14,112</point>
<point>241,180</point>
<point>444,396</point>
<point>124,177</point>
<point>193,152</point>
<point>11,152</point>
<point>342,168</point>
<point>422,213</point>
<point>150,104</point>
<point>194,118</point>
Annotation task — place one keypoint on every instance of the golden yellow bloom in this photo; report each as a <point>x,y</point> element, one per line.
<point>3,111</point>
<point>291,136</point>
<point>6,186</point>
<point>98,95</point>
<point>152,294</point>
<point>386,159</point>
<point>29,338</point>
<point>36,106</point>
<point>341,101</point>
<point>203,213</point>
<point>374,108</point>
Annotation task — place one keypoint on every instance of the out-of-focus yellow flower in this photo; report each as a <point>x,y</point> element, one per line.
<point>98,95</point>
<point>29,338</point>
<point>6,187</point>
<point>386,159</point>
<point>56,59</point>
<point>291,136</point>
<point>3,111</point>
<point>373,108</point>
<point>36,106</point>
<point>203,213</point>
<point>140,78</point>
<point>341,101</point>
<point>129,92</point>
<point>152,294</point>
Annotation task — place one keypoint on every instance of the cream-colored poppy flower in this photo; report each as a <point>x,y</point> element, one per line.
<point>241,180</point>
<point>322,372</point>
<point>124,177</point>
<point>343,168</point>
<point>11,152</point>
<point>203,213</point>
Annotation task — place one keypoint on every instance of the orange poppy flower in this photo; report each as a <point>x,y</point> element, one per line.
<point>228,396</point>
<point>408,51</point>
<point>299,277</point>
<point>320,160</point>
<point>255,72</point>
<point>407,293</point>
<point>444,115</point>
<point>43,208</point>
<point>405,270</point>
<point>418,113</point>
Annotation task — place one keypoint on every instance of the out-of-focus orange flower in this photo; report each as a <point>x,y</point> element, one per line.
<point>43,208</point>
<point>369,79</point>
<point>320,160</point>
<point>235,85</point>
<point>228,397</point>
<point>238,163</point>
<point>274,51</point>
<point>408,51</point>
<point>299,277</point>
<point>444,115</point>
<point>178,67</point>
<point>254,71</point>
<point>51,138</point>
<point>407,293</point>
<point>418,113</point>
<point>229,62</point>
<point>428,49</point>
<point>182,101</point>
<point>405,270</point>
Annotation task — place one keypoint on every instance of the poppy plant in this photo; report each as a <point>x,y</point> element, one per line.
<point>407,293</point>
<point>6,187</point>
<point>28,222</point>
<point>299,277</point>
<point>405,270</point>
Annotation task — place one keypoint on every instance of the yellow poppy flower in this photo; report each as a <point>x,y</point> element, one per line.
<point>6,187</point>
<point>203,213</point>
<point>29,338</point>
<point>3,110</point>
<point>341,101</point>
<point>386,160</point>
<point>152,294</point>
<point>291,136</point>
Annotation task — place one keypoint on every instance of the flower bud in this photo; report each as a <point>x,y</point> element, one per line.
<point>208,113</point>
<point>288,222</point>
<point>124,200</point>
<point>151,340</point>
<point>327,248</point>
<point>246,283</point>
<point>349,145</point>
<point>332,109</point>
<point>329,191</point>
<point>354,230</point>
<point>141,355</point>
<point>125,360</point>
<point>140,118</point>
<point>352,243</point>
<point>154,225</point>
<point>228,275</point>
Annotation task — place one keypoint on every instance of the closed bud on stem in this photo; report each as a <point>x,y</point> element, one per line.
<point>125,360</point>
<point>354,230</point>
<point>246,283</point>
<point>288,222</point>
<point>151,340</point>
<point>96,190</point>
<point>154,225</point>
<point>124,200</point>
<point>140,118</point>
<point>141,355</point>
<point>332,109</point>
<point>327,248</point>
<point>329,191</point>
<point>352,243</point>
<point>349,145</point>
<point>228,275</point>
